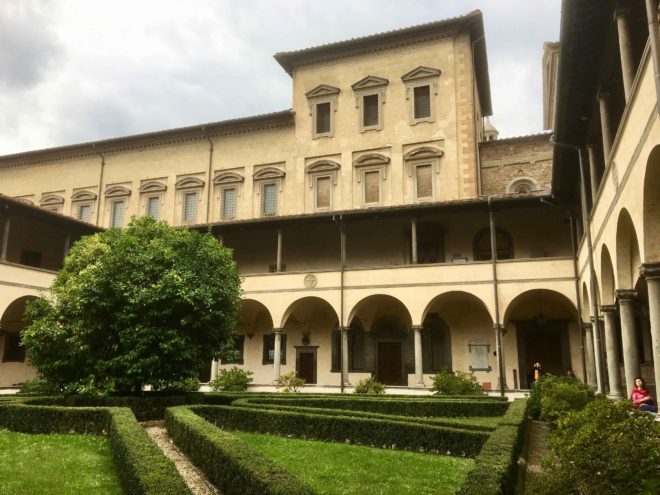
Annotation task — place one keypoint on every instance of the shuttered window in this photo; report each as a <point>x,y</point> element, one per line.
<point>117,214</point>
<point>422,95</point>
<point>269,199</point>
<point>190,207</point>
<point>372,187</point>
<point>323,185</point>
<point>229,203</point>
<point>153,207</point>
<point>322,118</point>
<point>370,109</point>
<point>423,181</point>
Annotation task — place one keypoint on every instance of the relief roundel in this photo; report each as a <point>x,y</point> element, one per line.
<point>310,281</point>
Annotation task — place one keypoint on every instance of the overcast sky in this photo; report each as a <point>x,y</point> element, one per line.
<point>81,70</point>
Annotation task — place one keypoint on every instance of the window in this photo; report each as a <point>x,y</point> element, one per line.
<point>321,180</point>
<point>236,356</point>
<point>84,212</point>
<point>30,258</point>
<point>421,91</point>
<point>14,351</point>
<point>422,102</point>
<point>369,98</point>
<point>52,202</point>
<point>372,187</point>
<point>522,185</point>
<point>503,245</point>
<point>371,171</point>
<point>322,101</point>
<point>117,214</point>
<point>479,357</point>
<point>190,207</point>
<point>422,165</point>
<point>370,111</point>
<point>430,243</point>
<point>153,207</point>
<point>323,124</point>
<point>269,199</point>
<point>424,181</point>
<point>323,192</point>
<point>436,345</point>
<point>269,349</point>
<point>229,202</point>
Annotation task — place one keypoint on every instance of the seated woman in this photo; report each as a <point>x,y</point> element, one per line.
<point>641,398</point>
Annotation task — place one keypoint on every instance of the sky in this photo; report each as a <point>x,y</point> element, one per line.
<point>73,71</point>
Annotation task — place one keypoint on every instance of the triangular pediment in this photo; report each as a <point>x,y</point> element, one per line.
<point>322,90</point>
<point>370,82</point>
<point>420,73</point>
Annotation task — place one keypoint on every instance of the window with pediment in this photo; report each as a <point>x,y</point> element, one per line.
<point>228,187</point>
<point>422,166</point>
<point>52,202</point>
<point>83,205</point>
<point>322,101</point>
<point>421,93</point>
<point>152,198</point>
<point>269,182</point>
<point>322,179</point>
<point>369,101</point>
<point>371,171</point>
<point>189,196</point>
<point>117,205</point>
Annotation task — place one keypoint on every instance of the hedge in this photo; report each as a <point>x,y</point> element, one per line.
<point>437,421</point>
<point>141,466</point>
<point>495,469</point>
<point>229,463</point>
<point>366,431</point>
<point>406,407</point>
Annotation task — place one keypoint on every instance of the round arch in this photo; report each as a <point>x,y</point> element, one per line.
<point>608,285</point>
<point>651,211</point>
<point>310,309</point>
<point>12,324</point>
<point>540,302</point>
<point>253,315</point>
<point>452,297</point>
<point>375,306</point>
<point>627,251</point>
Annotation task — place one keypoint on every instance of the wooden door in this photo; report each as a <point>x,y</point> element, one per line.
<point>306,366</point>
<point>390,366</point>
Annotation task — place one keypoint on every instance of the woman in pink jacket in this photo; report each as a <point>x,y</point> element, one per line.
<point>641,398</point>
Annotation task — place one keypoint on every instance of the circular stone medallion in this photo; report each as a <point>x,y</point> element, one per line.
<point>310,281</point>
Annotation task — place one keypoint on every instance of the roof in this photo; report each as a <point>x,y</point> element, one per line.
<point>472,21</point>
<point>200,131</point>
<point>537,135</point>
<point>16,205</point>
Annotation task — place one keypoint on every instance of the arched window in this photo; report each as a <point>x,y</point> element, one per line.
<point>523,185</point>
<point>503,245</point>
<point>436,345</point>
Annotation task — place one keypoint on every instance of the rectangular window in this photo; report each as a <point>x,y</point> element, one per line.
<point>153,207</point>
<point>14,352</point>
<point>372,187</point>
<point>323,118</point>
<point>229,203</point>
<point>422,102</point>
<point>323,191</point>
<point>190,207</point>
<point>84,212</point>
<point>117,214</point>
<point>424,181</point>
<point>30,258</point>
<point>269,199</point>
<point>236,356</point>
<point>269,349</point>
<point>370,111</point>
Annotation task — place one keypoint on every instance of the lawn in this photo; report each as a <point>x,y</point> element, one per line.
<point>50,464</point>
<point>333,468</point>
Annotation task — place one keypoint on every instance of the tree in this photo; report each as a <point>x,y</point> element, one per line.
<point>145,304</point>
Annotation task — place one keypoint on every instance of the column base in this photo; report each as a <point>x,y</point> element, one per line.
<point>417,385</point>
<point>615,397</point>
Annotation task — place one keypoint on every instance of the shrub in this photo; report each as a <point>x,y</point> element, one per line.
<point>231,380</point>
<point>38,386</point>
<point>369,386</point>
<point>231,465</point>
<point>554,396</point>
<point>184,385</point>
<point>289,382</point>
<point>604,449</point>
<point>456,383</point>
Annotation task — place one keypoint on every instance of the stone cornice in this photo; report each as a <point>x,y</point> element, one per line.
<point>626,295</point>
<point>650,271</point>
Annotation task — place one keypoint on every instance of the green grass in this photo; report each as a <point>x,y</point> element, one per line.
<point>333,468</point>
<point>56,464</point>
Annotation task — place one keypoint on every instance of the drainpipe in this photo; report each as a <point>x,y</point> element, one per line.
<point>98,206</point>
<point>342,266</point>
<point>208,187</point>
<point>654,37</point>
<point>498,327</point>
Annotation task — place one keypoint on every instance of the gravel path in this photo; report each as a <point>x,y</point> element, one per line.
<point>538,446</point>
<point>198,483</point>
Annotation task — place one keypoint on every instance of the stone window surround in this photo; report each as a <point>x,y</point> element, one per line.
<point>52,202</point>
<point>318,170</point>
<point>368,86</point>
<point>423,155</point>
<point>370,162</point>
<point>510,187</point>
<point>322,94</point>
<point>83,198</point>
<point>227,180</point>
<point>421,76</point>
<point>114,194</point>
<point>265,176</point>
<point>152,189</point>
<point>183,186</point>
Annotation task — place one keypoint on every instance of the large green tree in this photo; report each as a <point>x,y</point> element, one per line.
<point>147,304</point>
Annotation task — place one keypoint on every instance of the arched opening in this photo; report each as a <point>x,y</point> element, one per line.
<point>436,344</point>
<point>546,332</point>
<point>606,277</point>
<point>503,245</point>
<point>627,252</point>
<point>14,369</point>
<point>309,324</point>
<point>380,324</point>
<point>652,207</point>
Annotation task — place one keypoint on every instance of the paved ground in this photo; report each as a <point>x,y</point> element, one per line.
<point>538,446</point>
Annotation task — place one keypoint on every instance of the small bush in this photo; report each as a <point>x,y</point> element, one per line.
<point>456,383</point>
<point>38,386</point>
<point>231,380</point>
<point>179,386</point>
<point>554,396</point>
<point>369,386</point>
<point>289,383</point>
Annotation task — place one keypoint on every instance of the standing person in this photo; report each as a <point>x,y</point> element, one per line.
<point>569,373</point>
<point>641,398</point>
<point>538,371</point>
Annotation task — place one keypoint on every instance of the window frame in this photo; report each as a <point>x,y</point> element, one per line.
<point>422,156</point>
<point>149,190</point>
<point>239,350</point>
<point>228,179</point>
<point>116,194</point>
<point>113,209</point>
<point>263,186</point>
<point>80,199</point>
<point>321,169</point>
<point>189,185</point>
<point>365,87</point>
<point>222,193</point>
<point>266,176</point>
<point>421,199</point>
<point>371,162</point>
<point>148,199</point>
<point>321,94</point>
<point>269,338</point>
<point>524,180</point>
<point>418,77</point>
<point>52,202</point>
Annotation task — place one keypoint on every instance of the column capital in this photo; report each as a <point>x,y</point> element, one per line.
<point>587,326</point>
<point>608,308</point>
<point>277,330</point>
<point>343,329</point>
<point>498,326</point>
<point>593,319</point>
<point>627,295</point>
<point>603,95</point>
<point>417,328</point>
<point>650,270</point>
<point>621,12</point>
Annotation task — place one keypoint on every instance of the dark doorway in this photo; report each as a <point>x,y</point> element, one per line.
<point>390,364</point>
<point>306,365</point>
<point>545,342</point>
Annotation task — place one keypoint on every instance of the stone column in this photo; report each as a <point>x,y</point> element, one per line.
<point>277,351</point>
<point>214,369</point>
<point>344,356</point>
<point>278,265</point>
<point>625,50</point>
<point>647,346</point>
<point>606,128</point>
<point>419,368</point>
<point>589,355</point>
<point>626,300</point>
<point>5,238</point>
<point>593,173</point>
<point>598,353</point>
<point>413,241</point>
<point>651,272</point>
<point>612,350</point>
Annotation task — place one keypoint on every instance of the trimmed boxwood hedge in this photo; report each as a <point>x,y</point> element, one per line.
<point>495,468</point>
<point>437,421</point>
<point>232,466</point>
<point>404,407</point>
<point>361,430</point>
<point>141,466</point>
